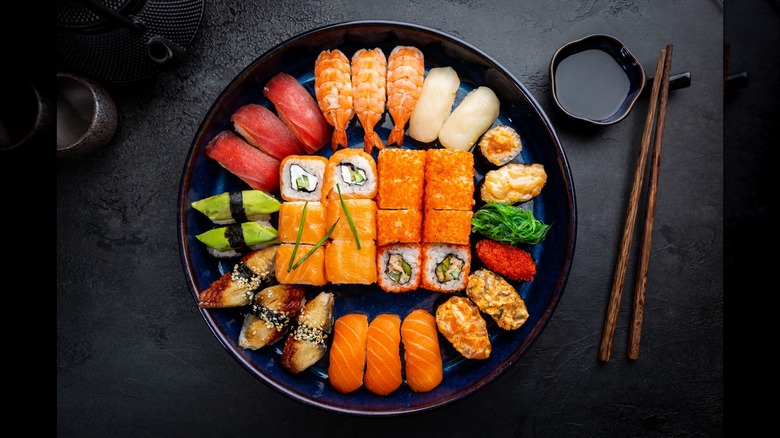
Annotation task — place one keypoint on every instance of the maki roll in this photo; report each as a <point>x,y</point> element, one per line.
<point>354,171</point>
<point>398,226</point>
<point>445,267</point>
<point>346,264</point>
<point>500,145</point>
<point>399,267</point>
<point>239,206</point>
<point>401,178</point>
<point>236,239</point>
<point>313,228</point>
<point>447,226</point>
<point>301,177</point>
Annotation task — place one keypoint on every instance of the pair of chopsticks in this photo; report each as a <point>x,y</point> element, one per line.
<point>653,125</point>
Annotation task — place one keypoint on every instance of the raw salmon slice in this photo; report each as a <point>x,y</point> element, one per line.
<point>383,356</point>
<point>253,166</point>
<point>263,129</point>
<point>421,351</point>
<point>348,352</point>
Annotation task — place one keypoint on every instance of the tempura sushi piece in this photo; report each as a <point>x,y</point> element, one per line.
<point>306,344</point>
<point>348,352</point>
<point>434,104</point>
<point>290,215</point>
<point>447,226</point>
<point>354,171</point>
<point>311,271</point>
<point>263,129</point>
<point>233,240</point>
<point>401,178</point>
<point>459,320</point>
<point>445,267</point>
<point>302,177</point>
<point>253,166</point>
<point>273,310</point>
<point>399,267</point>
<point>298,109</point>
<point>470,119</point>
<point>237,287</point>
<point>239,206</point>
<point>449,180</point>
<point>383,355</point>
<point>497,298</point>
<point>398,226</point>
<point>513,183</point>
<point>345,264</point>
<point>363,215</point>
<point>422,354</point>
<point>500,145</point>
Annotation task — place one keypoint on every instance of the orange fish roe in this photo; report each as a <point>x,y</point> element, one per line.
<point>508,261</point>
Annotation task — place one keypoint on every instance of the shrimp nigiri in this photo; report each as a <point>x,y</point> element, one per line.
<point>333,89</point>
<point>405,75</point>
<point>369,92</point>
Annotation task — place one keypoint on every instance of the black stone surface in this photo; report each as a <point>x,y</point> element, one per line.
<point>134,357</point>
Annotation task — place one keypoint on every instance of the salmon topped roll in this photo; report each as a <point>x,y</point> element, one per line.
<point>290,215</point>
<point>354,172</point>
<point>363,215</point>
<point>348,352</point>
<point>345,264</point>
<point>383,355</point>
<point>311,271</point>
<point>421,351</point>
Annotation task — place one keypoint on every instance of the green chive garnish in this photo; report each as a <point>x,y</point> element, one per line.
<point>349,217</point>
<point>319,244</point>
<point>298,238</point>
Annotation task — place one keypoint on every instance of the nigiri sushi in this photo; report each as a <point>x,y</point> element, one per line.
<point>497,298</point>
<point>306,344</point>
<point>434,104</point>
<point>383,355</point>
<point>263,129</point>
<point>459,320</point>
<point>470,119</point>
<point>239,206</point>
<point>422,354</point>
<point>234,239</point>
<point>297,108</point>
<point>273,310</point>
<point>333,90</point>
<point>237,287</point>
<point>250,164</point>
<point>369,93</point>
<point>405,75</point>
<point>348,352</point>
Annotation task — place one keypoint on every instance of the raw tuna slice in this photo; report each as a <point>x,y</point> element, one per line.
<point>253,166</point>
<point>261,128</point>
<point>299,111</point>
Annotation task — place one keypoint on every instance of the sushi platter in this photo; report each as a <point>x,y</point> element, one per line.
<point>330,200</point>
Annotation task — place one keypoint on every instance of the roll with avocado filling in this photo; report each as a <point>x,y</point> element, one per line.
<point>449,268</point>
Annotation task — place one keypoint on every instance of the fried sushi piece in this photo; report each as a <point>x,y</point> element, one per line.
<point>306,344</point>
<point>363,215</point>
<point>447,226</point>
<point>513,183</point>
<point>238,206</point>
<point>354,171</point>
<point>401,178</point>
<point>500,145</point>
<point>311,271</point>
<point>449,179</point>
<point>348,352</point>
<point>237,287</point>
<point>445,267</point>
<point>345,264</point>
<point>290,214</point>
<point>494,296</point>
<point>399,267</point>
<point>301,177</point>
<point>273,310</point>
<point>398,226</point>
<point>459,320</point>
<point>383,354</point>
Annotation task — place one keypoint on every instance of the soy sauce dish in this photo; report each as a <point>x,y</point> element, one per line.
<point>596,79</point>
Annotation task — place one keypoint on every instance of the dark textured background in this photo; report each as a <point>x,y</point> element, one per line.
<point>134,357</point>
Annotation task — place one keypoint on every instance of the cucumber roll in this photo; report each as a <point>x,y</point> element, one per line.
<point>235,239</point>
<point>237,207</point>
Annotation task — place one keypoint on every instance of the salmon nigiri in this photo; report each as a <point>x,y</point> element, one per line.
<point>369,93</point>
<point>348,352</point>
<point>405,75</point>
<point>333,90</point>
<point>421,351</point>
<point>383,356</point>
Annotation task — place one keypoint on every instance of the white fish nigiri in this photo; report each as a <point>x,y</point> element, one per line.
<point>434,104</point>
<point>470,119</point>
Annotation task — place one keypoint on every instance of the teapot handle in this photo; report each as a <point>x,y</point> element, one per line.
<point>164,52</point>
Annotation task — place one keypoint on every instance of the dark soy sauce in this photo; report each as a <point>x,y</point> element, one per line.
<point>591,84</point>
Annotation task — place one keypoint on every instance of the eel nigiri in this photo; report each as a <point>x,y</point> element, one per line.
<point>273,310</point>
<point>263,129</point>
<point>237,287</point>
<point>234,239</point>
<point>383,354</point>
<point>333,90</point>
<point>239,206</point>
<point>470,119</point>
<point>250,164</point>
<point>297,108</point>
<point>348,352</point>
<point>306,345</point>
<point>369,93</point>
<point>405,75</point>
<point>421,351</point>
<point>434,104</point>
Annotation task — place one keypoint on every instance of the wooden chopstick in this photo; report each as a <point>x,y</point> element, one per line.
<point>635,329</point>
<point>619,277</point>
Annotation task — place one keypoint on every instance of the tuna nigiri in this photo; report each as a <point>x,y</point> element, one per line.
<point>253,166</point>
<point>297,108</point>
<point>369,93</point>
<point>263,129</point>
<point>348,352</point>
<point>405,75</point>
<point>383,355</point>
<point>333,89</point>
<point>421,351</point>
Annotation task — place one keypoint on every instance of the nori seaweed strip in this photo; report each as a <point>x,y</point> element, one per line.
<point>243,271</point>
<point>277,319</point>
<point>234,234</point>
<point>236,202</point>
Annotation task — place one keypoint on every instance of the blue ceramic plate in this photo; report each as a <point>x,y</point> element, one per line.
<point>203,177</point>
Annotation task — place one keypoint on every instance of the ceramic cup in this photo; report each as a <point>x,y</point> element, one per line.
<point>26,114</point>
<point>87,117</point>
